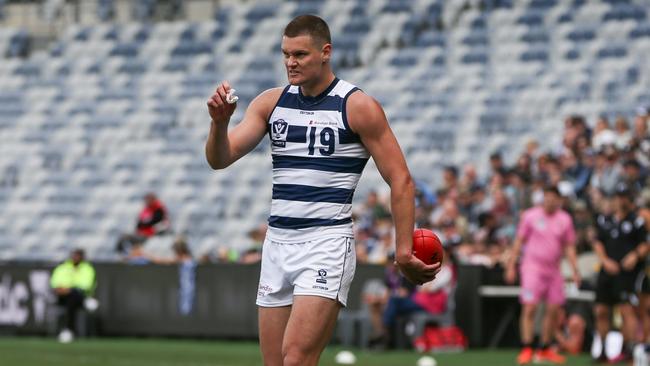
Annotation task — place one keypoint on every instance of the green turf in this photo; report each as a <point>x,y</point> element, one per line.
<point>145,352</point>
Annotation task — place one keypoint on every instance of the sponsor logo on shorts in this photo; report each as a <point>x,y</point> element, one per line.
<point>264,290</point>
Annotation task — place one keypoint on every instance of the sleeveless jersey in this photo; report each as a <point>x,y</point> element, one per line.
<point>317,163</point>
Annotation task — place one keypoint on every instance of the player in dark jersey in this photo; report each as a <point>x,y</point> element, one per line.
<point>621,248</point>
<point>643,282</point>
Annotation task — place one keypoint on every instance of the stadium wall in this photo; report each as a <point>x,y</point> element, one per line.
<point>145,300</point>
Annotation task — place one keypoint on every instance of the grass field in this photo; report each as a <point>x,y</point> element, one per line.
<point>145,352</point>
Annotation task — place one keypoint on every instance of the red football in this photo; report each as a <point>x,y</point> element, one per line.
<point>427,246</point>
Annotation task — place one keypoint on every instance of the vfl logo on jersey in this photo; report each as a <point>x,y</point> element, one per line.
<point>321,276</point>
<point>279,131</point>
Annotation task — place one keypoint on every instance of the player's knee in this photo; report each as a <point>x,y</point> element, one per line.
<point>529,311</point>
<point>294,355</point>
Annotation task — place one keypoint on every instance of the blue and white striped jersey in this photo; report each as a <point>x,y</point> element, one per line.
<point>317,163</point>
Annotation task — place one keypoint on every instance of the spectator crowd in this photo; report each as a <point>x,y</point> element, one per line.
<point>478,216</point>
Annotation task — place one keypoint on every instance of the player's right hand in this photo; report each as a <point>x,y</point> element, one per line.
<point>220,110</point>
<point>611,267</point>
<point>417,271</point>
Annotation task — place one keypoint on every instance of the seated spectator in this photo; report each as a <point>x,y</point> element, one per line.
<point>253,254</point>
<point>182,254</point>
<point>572,325</point>
<point>485,246</point>
<point>433,296</point>
<point>623,133</point>
<point>400,300</point>
<point>73,281</point>
<point>607,171</point>
<point>470,179</point>
<point>375,297</point>
<point>450,181</point>
<point>574,172</point>
<point>641,139</point>
<point>633,176</point>
<point>584,225</point>
<point>406,299</point>
<point>136,254</point>
<point>152,220</point>
<point>496,163</point>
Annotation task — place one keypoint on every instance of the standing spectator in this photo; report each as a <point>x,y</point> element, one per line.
<point>621,247</point>
<point>546,233</point>
<point>73,281</point>
<point>186,274</point>
<point>152,220</point>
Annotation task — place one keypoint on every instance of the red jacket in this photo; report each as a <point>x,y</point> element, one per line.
<point>150,216</point>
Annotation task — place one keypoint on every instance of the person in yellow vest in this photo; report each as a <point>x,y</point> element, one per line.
<point>73,281</point>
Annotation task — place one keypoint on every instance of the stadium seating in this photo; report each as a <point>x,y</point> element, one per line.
<point>110,112</point>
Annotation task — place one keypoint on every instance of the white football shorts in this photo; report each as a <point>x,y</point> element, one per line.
<point>319,267</point>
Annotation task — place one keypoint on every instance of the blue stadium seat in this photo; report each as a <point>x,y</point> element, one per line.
<point>108,96</point>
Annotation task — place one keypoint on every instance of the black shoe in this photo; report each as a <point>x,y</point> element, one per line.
<point>378,343</point>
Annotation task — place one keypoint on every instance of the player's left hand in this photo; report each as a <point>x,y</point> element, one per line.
<point>629,261</point>
<point>417,271</point>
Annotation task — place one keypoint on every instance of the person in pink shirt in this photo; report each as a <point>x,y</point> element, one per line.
<point>545,234</point>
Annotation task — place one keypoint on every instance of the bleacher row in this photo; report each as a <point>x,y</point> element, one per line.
<point>112,111</point>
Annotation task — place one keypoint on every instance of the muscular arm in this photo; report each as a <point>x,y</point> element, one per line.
<point>367,119</point>
<point>225,147</point>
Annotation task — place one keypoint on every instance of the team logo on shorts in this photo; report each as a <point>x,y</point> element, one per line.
<point>321,276</point>
<point>279,130</point>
